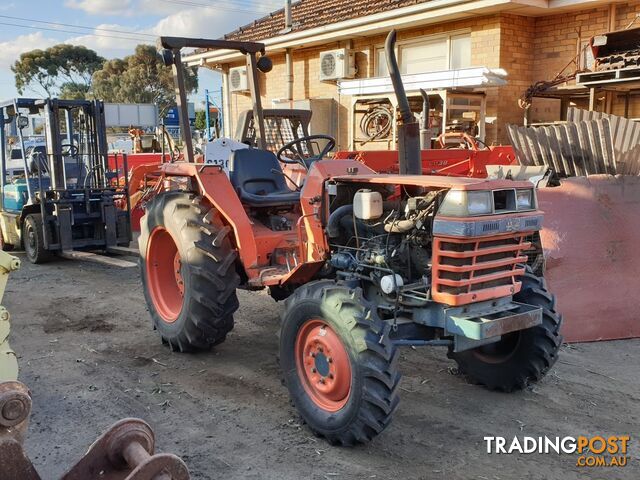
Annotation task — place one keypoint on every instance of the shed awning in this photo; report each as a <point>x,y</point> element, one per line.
<point>473,77</point>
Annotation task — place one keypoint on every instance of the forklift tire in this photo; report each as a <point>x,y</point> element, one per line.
<point>338,362</point>
<point>519,358</point>
<point>33,239</point>
<point>188,271</point>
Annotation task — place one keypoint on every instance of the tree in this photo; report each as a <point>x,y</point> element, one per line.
<point>140,78</point>
<point>201,120</point>
<point>74,91</point>
<point>61,69</point>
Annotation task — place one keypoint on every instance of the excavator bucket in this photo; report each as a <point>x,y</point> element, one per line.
<point>590,238</point>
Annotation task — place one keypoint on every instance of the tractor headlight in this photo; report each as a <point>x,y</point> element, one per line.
<point>461,203</point>
<point>525,199</point>
<point>479,203</point>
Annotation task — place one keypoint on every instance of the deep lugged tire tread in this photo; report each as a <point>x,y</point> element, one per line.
<point>213,297</point>
<point>548,339</point>
<point>377,355</point>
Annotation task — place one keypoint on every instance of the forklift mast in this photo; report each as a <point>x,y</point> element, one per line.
<point>65,188</point>
<point>90,130</point>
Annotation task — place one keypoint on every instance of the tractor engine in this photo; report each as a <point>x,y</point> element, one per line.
<point>386,243</point>
<point>411,245</point>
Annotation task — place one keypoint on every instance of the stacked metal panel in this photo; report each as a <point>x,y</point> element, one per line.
<point>588,143</point>
<point>625,134</point>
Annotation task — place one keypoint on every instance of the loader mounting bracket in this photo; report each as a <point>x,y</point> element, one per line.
<point>124,452</point>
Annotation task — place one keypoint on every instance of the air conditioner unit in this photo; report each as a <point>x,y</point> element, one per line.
<point>238,81</point>
<point>337,64</point>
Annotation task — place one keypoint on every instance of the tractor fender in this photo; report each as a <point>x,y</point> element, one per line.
<point>214,185</point>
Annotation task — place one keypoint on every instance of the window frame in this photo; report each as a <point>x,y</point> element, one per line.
<point>417,40</point>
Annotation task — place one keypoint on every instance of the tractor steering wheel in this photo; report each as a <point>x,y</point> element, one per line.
<point>71,150</point>
<point>296,147</point>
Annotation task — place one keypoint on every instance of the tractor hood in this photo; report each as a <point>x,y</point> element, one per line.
<point>433,181</point>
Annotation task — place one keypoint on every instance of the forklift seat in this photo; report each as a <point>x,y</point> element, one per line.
<point>257,177</point>
<point>76,172</point>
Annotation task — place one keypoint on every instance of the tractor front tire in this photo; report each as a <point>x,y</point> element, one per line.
<point>33,239</point>
<point>188,271</point>
<point>339,363</point>
<point>519,358</point>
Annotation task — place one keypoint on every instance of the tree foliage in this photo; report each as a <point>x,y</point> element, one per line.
<point>140,78</point>
<point>59,70</point>
<point>201,120</point>
<point>74,91</point>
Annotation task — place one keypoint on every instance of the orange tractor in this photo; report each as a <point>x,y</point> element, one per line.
<point>367,262</point>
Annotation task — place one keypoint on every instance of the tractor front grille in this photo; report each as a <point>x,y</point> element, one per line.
<point>474,270</point>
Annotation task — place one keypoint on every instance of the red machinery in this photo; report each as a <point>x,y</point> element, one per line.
<point>584,216</point>
<point>353,250</point>
<point>135,159</point>
<point>449,162</point>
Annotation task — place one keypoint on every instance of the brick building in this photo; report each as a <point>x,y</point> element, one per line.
<point>531,40</point>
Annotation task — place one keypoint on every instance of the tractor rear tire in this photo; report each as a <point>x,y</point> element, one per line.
<point>519,358</point>
<point>188,271</point>
<point>33,239</point>
<point>339,363</point>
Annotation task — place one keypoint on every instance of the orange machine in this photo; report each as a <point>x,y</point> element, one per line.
<point>144,142</point>
<point>368,263</point>
<point>458,162</point>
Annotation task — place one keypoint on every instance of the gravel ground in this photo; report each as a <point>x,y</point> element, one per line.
<point>89,355</point>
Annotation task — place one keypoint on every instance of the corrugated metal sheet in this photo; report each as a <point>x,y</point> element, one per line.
<point>625,134</point>
<point>588,143</point>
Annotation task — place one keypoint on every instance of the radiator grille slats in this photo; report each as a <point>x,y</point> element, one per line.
<point>473,270</point>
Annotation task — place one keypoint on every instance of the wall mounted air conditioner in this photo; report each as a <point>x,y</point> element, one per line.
<point>238,81</point>
<point>337,64</point>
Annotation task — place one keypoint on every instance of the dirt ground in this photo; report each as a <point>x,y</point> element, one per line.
<point>89,355</point>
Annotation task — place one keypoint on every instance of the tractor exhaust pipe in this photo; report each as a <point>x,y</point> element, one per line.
<point>425,131</point>
<point>408,128</point>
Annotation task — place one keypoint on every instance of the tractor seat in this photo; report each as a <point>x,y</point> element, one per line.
<point>255,174</point>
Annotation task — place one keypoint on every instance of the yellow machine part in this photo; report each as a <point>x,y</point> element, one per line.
<point>8,360</point>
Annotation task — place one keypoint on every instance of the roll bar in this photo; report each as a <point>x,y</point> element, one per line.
<point>169,49</point>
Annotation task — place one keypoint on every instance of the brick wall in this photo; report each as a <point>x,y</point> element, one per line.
<point>558,39</point>
<point>528,48</point>
<point>485,39</point>
<point>517,55</point>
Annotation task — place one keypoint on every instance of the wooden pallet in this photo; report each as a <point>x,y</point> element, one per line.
<point>618,75</point>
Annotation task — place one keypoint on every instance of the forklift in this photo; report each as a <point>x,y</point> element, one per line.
<point>64,198</point>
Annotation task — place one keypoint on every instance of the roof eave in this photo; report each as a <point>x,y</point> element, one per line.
<point>435,11</point>
<point>404,17</point>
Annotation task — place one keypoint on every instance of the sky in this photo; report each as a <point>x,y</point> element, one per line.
<point>114,27</point>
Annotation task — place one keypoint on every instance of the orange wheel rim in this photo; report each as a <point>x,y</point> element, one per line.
<point>323,365</point>
<point>164,275</point>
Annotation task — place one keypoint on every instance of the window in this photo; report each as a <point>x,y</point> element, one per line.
<point>429,55</point>
<point>381,63</point>
<point>423,57</point>
<point>460,51</point>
